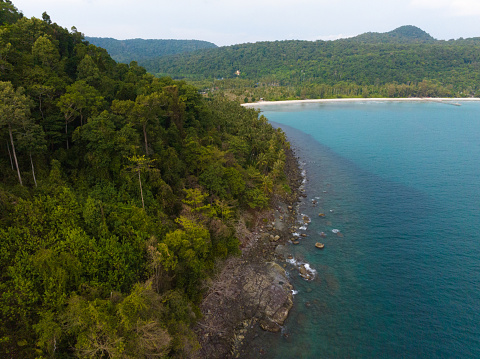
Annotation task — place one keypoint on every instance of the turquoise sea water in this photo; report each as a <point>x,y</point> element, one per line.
<point>401,181</point>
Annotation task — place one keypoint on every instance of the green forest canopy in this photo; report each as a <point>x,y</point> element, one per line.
<point>401,63</point>
<point>119,191</point>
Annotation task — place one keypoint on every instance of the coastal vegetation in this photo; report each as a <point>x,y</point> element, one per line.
<point>406,62</point>
<point>119,193</point>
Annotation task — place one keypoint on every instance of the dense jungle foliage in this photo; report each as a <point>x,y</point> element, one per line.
<point>119,192</point>
<point>406,62</point>
<point>130,50</point>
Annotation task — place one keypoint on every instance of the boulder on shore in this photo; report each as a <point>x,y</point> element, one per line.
<point>269,295</point>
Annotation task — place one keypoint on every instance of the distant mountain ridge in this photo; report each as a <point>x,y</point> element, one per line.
<point>406,56</point>
<point>403,35</point>
<point>143,51</point>
<point>139,49</point>
<point>371,62</point>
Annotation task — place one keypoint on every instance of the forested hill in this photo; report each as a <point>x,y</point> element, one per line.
<point>403,35</point>
<point>119,193</point>
<point>404,62</point>
<point>139,49</point>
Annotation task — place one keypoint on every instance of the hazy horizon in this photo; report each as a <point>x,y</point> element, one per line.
<point>264,20</point>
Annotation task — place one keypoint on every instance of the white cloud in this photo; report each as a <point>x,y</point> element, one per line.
<point>431,4</point>
<point>452,7</point>
<point>467,7</point>
<point>226,22</point>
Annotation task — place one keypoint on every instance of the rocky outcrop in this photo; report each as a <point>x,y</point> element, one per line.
<point>244,292</point>
<point>268,295</point>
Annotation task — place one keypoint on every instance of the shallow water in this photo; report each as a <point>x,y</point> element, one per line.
<point>401,279</point>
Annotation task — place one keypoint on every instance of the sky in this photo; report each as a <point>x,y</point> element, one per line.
<point>226,22</point>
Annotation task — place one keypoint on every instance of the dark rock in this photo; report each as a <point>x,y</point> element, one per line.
<point>303,270</point>
<point>270,326</point>
<point>267,296</point>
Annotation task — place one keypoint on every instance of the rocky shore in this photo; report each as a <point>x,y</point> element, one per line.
<point>252,289</point>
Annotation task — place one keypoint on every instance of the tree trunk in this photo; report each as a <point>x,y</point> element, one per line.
<point>10,156</point>
<point>40,101</point>
<point>66,131</point>
<point>145,136</point>
<point>33,170</point>
<point>103,214</point>
<point>141,191</point>
<point>15,155</point>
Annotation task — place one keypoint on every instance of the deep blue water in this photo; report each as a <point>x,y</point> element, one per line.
<point>401,183</point>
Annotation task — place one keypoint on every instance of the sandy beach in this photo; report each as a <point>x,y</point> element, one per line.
<point>337,100</point>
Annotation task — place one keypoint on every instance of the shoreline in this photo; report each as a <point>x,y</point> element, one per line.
<point>341,269</point>
<point>228,324</point>
<point>228,318</point>
<point>446,100</point>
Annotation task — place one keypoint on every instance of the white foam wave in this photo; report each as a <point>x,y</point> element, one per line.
<point>304,176</point>
<point>310,269</point>
<point>311,272</point>
<point>292,261</point>
<point>305,217</point>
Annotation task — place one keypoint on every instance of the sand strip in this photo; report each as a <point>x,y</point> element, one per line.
<point>370,99</point>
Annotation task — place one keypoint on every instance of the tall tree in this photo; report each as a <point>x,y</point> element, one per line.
<point>138,165</point>
<point>88,71</point>
<point>31,139</point>
<point>45,53</point>
<point>81,99</point>
<point>14,112</point>
<point>146,110</point>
